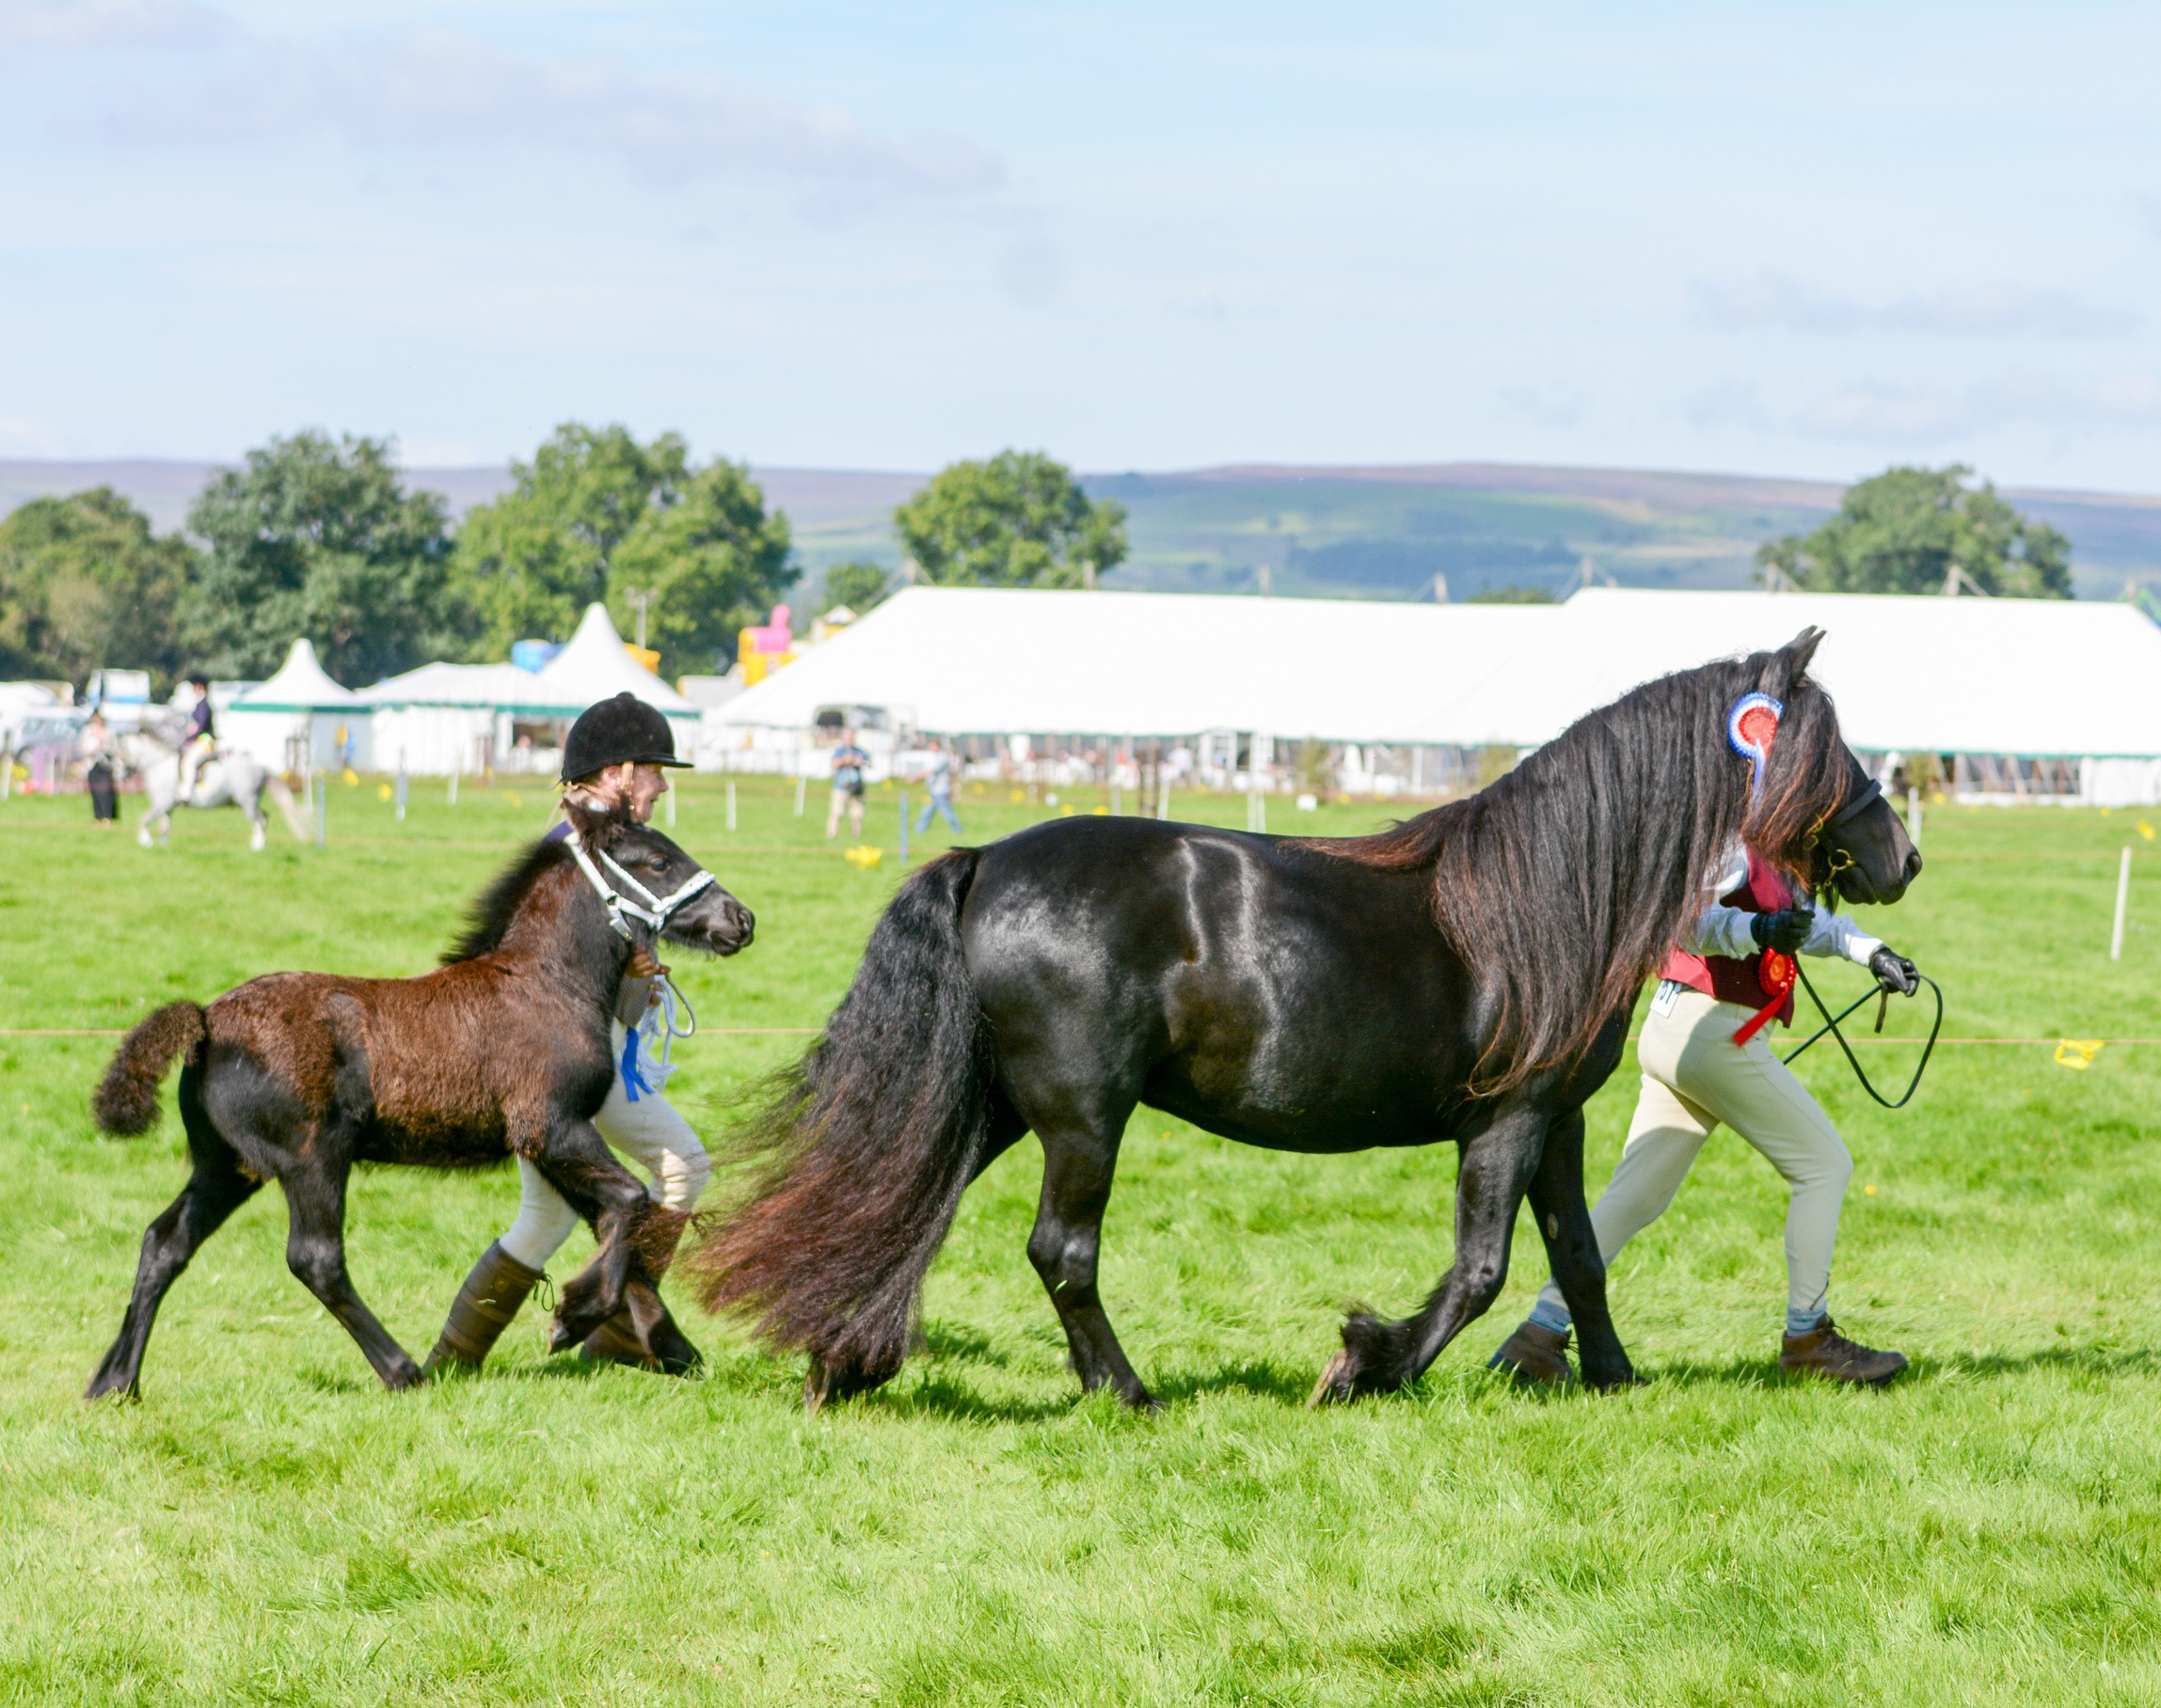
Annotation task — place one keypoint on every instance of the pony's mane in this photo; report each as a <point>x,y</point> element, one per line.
<point>489,919</point>
<point>1565,883</point>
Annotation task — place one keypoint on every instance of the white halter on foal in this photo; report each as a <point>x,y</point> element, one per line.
<point>654,910</point>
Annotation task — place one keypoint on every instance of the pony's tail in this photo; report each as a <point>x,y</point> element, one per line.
<point>281,795</point>
<point>125,1101</point>
<point>875,1133</point>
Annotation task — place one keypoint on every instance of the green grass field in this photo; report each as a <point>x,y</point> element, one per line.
<point>268,1525</point>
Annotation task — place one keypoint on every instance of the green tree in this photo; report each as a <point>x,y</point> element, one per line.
<point>319,537</point>
<point>1017,521</point>
<point>859,584</point>
<point>84,584</point>
<point>712,561</point>
<point>597,515</point>
<point>531,562</point>
<point>1901,531</point>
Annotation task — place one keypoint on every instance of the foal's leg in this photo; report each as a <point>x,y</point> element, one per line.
<point>1498,1165</point>
<point>1080,1154</point>
<point>1572,1251</point>
<point>315,1252</point>
<point>579,1164</point>
<point>215,1190</point>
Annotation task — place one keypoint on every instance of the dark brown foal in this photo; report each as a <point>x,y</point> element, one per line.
<point>296,1076</point>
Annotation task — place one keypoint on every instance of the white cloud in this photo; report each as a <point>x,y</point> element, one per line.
<point>88,24</point>
<point>1729,402</point>
<point>1790,305</point>
<point>27,438</point>
<point>434,87</point>
<point>1924,413</point>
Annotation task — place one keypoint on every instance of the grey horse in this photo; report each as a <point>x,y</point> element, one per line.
<point>230,779</point>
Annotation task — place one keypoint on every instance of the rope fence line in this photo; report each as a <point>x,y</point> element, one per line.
<point>121,1031</point>
<point>813,1031</point>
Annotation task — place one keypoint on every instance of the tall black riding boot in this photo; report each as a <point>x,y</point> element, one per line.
<point>483,1309</point>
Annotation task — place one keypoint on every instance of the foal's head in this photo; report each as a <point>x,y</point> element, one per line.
<point>648,870</point>
<point>639,865</point>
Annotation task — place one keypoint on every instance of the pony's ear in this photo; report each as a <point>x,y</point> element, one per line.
<point>1789,662</point>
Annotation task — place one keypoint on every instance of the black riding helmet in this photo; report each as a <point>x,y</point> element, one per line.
<point>624,730</point>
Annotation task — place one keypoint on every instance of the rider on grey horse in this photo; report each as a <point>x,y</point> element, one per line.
<point>201,740</point>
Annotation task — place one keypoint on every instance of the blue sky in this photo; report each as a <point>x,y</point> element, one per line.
<point>1778,239</point>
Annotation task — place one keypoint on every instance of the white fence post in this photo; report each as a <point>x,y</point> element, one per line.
<point>2122,901</point>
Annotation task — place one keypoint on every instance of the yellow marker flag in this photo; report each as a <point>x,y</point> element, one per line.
<point>2079,1052</point>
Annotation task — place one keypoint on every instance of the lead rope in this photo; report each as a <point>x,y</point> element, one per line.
<point>1831,1025</point>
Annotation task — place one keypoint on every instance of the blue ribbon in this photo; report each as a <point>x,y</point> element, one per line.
<point>633,1078</point>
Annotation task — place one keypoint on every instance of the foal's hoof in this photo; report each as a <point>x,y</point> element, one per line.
<point>562,1336</point>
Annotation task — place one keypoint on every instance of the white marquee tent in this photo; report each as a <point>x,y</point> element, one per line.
<point>299,705</point>
<point>992,660</point>
<point>2077,680</point>
<point>2024,678</point>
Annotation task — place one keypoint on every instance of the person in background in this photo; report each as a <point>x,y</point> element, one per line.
<point>201,742</point>
<point>848,762</point>
<point>1696,1076</point>
<point>612,757</point>
<point>940,778</point>
<point>94,748</point>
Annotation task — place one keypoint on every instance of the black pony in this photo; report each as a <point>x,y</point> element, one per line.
<point>1467,976</point>
<point>296,1076</point>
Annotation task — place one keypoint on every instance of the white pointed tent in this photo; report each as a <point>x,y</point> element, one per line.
<point>299,707</point>
<point>446,717</point>
<point>595,665</point>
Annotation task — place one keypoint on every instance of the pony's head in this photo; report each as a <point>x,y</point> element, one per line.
<point>1817,814</point>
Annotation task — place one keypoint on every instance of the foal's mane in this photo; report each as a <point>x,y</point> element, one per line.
<point>1564,884</point>
<point>489,918</point>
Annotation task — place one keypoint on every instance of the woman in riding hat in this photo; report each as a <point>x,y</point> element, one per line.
<point>613,756</point>
<point>1705,1062</point>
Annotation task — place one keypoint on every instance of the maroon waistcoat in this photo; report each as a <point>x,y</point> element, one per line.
<point>1721,977</point>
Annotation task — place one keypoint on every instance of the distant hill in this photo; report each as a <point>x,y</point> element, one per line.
<point>1351,532</point>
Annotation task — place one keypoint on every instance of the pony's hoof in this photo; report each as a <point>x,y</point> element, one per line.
<point>1617,1382</point>
<point>1338,1385</point>
<point>817,1387</point>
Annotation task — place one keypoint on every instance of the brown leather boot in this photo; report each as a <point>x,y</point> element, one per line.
<point>1534,1354</point>
<point>657,1344</point>
<point>483,1309</point>
<point>1825,1351</point>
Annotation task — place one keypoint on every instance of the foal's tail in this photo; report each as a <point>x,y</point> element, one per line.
<point>875,1133</point>
<point>125,1101</point>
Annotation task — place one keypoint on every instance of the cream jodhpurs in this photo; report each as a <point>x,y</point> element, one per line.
<point>1695,1078</point>
<point>649,1133</point>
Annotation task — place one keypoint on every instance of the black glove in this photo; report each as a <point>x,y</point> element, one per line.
<point>1894,972</point>
<point>1785,931</point>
